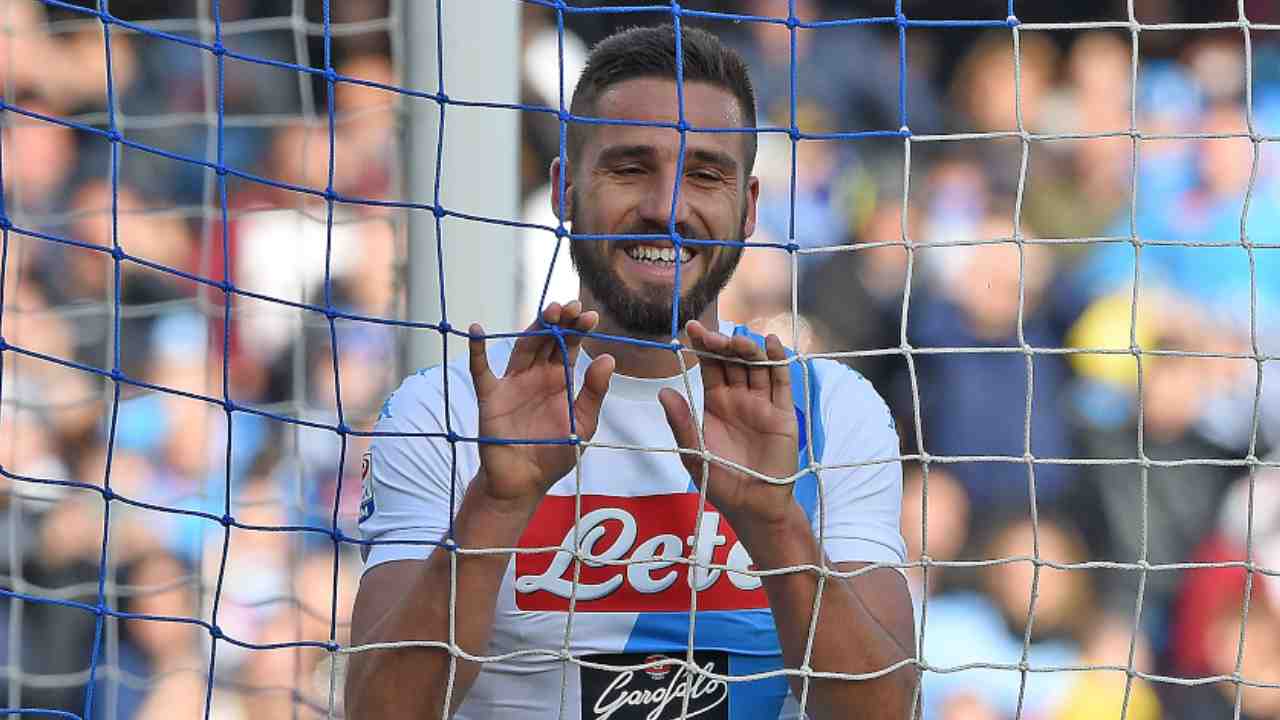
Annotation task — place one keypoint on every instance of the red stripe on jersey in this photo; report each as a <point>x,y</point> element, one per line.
<point>645,544</point>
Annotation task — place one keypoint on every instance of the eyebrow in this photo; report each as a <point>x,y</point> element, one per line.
<point>705,156</point>
<point>722,160</point>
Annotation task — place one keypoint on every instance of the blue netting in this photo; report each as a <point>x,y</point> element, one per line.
<point>115,373</point>
<point>337,316</point>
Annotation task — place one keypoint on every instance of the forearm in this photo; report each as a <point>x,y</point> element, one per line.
<point>412,682</point>
<point>848,637</point>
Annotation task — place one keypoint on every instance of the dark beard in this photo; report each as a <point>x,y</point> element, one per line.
<point>647,313</point>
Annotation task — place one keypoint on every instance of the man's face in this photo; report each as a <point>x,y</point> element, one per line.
<point>623,184</point>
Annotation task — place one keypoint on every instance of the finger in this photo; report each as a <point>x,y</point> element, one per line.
<point>586,322</point>
<point>712,369</point>
<point>568,318</point>
<point>551,315</point>
<point>530,346</point>
<point>683,428</point>
<point>481,375</point>
<point>779,375</point>
<point>752,355</point>
<point>595,385</point>
<point>735,373</point>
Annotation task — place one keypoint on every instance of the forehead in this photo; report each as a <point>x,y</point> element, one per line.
<point>655,100</point>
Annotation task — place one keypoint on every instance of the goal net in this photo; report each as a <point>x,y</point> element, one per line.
<point>1047,234</point>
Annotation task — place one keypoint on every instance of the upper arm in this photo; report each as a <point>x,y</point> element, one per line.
<point>413,479</point>
<point>860,504</point>
<point>381,588</point>
<point>884,593</point>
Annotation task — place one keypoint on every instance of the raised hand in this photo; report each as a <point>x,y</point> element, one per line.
<point>530,402</point>
<point>748,419</point>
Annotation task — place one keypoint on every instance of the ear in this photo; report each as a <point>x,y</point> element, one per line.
<point>753,197</point>
<point>561,202</point>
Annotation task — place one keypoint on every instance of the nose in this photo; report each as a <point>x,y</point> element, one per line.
<point>656,207</point>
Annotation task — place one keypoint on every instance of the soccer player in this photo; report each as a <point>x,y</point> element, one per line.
<point>651,549</point>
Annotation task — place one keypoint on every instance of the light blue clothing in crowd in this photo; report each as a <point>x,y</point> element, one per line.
<point>964,629</point>
<point>1215,278</point>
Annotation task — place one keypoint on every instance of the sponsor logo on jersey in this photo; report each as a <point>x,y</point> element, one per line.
<point>638,556</point>
<point>647,695</point>
<point>366,486</point>
<point>662,669</point>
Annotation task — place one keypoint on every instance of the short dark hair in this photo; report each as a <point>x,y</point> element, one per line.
<point>648,52</point>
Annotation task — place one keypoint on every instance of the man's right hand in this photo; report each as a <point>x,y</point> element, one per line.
<point>410,599</point>
<point>530,402</point>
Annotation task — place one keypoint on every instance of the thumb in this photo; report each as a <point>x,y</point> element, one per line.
<point>478,361</point>
<point>591,397</point>
<point>680,418</point>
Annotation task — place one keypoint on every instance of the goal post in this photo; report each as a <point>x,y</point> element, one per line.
<point>476,164</point>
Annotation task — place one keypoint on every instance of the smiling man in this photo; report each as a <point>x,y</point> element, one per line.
<point>619,566</point>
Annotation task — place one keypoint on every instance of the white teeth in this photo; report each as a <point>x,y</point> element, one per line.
<point>648,253</point>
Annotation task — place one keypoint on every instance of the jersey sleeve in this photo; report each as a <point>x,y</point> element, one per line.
<point>412,482</point>
<point>860,501</point>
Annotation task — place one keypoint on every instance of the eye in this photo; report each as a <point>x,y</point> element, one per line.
<point>705,175</point>
<point>629,170</point>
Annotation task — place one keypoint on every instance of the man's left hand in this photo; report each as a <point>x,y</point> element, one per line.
<point>748,419</point>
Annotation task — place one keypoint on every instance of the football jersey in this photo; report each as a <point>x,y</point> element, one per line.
<point>625,612</point>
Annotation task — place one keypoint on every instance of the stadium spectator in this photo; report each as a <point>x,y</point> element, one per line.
<point>1252,507</point>
<point>986,99</point>
<point>850,74</point>
<point>23,34</point>
<point>288,229</point>
<point>1112,642</point>
<point>278,684</point>
<point>761,285</point>
<point>365,131</point>
<point>55,419</point>
<point>1209,638</point>
<point>948,528</point>
<point>40,158</point>
<point>1061,628</point>
<point>989,626</point>
<point>1178,502</point>
<point>994,296</point>
<point>253,571</point>
<point>856,297</point>
<point>28,450</point>
<point>1076,188</point>
<point>1200,262</point>
<point>159,656</point>
<point>56,639</point>
<point>66,69</point>
<point>320,464</point>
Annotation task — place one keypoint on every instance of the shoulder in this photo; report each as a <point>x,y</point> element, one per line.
<point>845,396</point>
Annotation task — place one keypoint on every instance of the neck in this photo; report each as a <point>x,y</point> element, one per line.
<point>641,361</point>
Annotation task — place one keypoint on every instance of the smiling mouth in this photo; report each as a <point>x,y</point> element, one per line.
<point>658,256</point>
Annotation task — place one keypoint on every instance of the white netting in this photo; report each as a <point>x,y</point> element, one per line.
<point>1057,258</point>
<point>179,461</point>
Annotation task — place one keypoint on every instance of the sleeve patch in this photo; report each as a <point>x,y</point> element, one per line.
<point>366,484</point>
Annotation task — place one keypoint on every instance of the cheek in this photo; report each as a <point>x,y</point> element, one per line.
<point>606,207</point>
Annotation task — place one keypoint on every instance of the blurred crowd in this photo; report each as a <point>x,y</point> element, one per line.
<point>1054,496</point>
<point>278,463</point>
